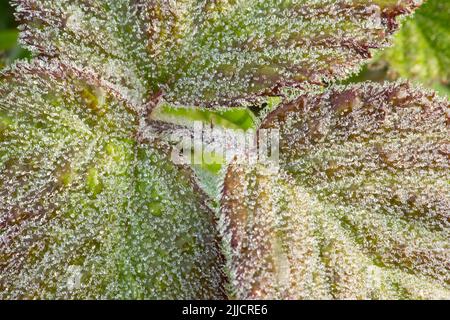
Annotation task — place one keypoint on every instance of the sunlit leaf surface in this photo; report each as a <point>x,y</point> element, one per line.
<point>88,211</point>
<point>360,205</point>
<point>210,53</point>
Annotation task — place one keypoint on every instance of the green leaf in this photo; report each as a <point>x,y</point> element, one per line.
<point>360,206</point>
<point>86,209</point>
<point>421,49</point>
<point>236,118</point>
<point>210,53</point>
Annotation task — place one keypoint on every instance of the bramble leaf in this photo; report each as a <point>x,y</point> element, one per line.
<point>360,206</point>
<point>210,53</point>
<point>86,209</point>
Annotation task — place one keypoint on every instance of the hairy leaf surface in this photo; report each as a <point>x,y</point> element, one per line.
<point>360,206</point>
<point>210,53</point>
<point>87,211</point>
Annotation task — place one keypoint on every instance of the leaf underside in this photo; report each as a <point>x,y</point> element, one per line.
<point>210,53</point>
<point>85,210</point>
<point>360,207</point>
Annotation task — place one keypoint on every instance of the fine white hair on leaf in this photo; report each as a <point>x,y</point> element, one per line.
<point>360,207</point>
<point>211,53</point>
<point>86,210</point>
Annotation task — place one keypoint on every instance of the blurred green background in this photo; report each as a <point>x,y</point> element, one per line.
<point>9,48</point>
